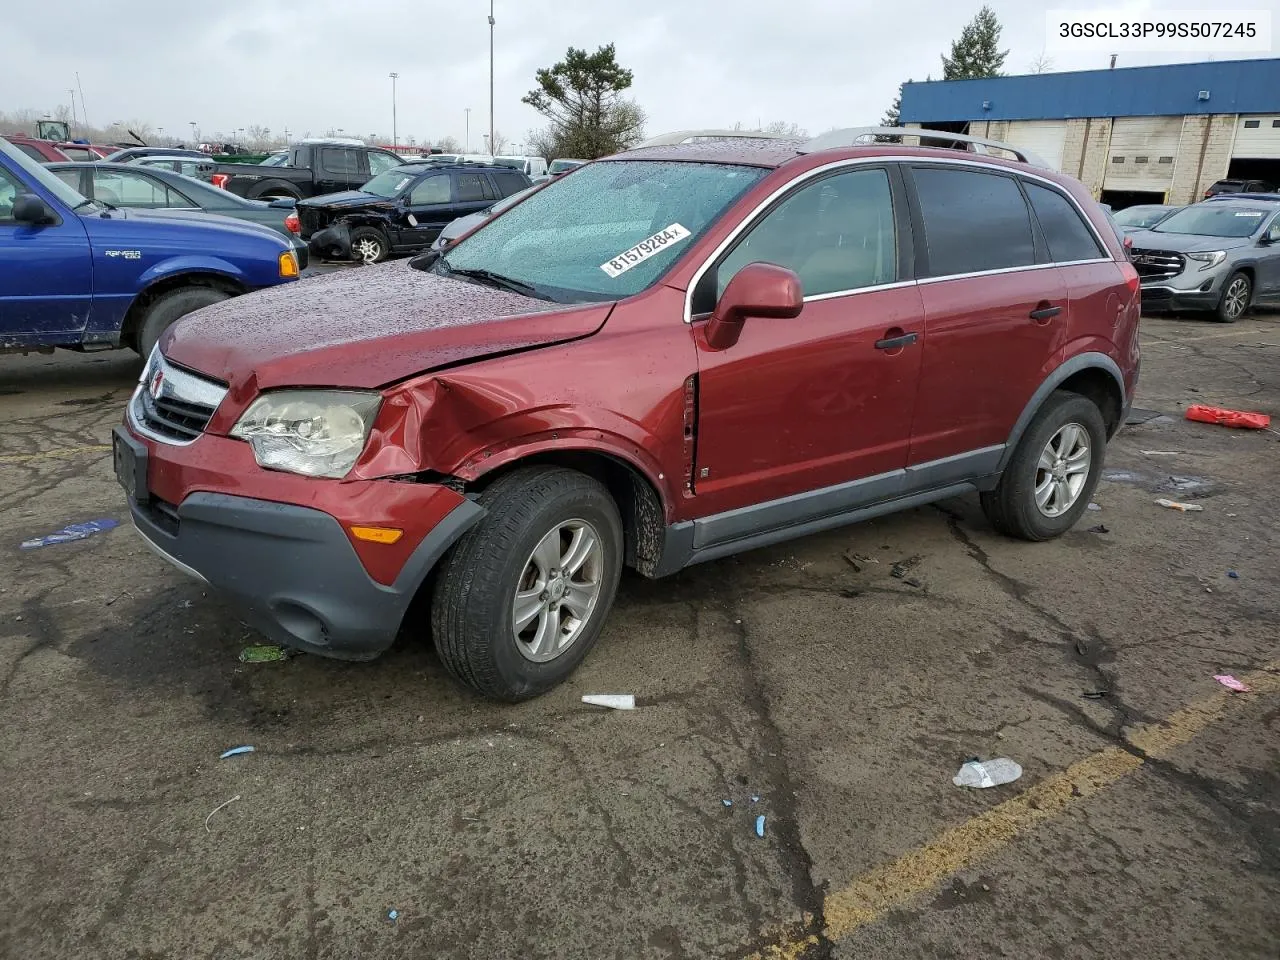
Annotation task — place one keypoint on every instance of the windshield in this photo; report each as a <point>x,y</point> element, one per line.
<point>71,197</point>
<point>510,201</point>
<point>560,166</point>
<point>1142,216</point>
<point>1214,220</point>
<point>609,231</point>
<point>389,183</point>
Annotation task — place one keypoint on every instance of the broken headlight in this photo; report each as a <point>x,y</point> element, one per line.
<point>318,433</point>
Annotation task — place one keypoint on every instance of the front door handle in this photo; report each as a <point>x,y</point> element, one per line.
<point>1046,312</point>
<point>898,342</point>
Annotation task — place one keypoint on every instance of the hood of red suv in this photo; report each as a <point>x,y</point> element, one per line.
<point>366,327</point>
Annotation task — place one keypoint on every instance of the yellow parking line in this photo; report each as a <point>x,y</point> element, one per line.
<point>874,894</point>
<point>64,452</point>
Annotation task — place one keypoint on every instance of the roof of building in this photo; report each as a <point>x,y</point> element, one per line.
<point>1231,86</point>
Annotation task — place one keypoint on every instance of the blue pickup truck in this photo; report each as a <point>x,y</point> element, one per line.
<point>85,275</point>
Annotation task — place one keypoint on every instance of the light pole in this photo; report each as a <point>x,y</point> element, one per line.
<point>467,149</point>
<point>72,91</point>
<point>160,131</point>
<point>395,140</point>
<point>491,23</point>
<point>195,134</point>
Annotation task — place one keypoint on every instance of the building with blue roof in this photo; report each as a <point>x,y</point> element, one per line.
<point>1137,134</point>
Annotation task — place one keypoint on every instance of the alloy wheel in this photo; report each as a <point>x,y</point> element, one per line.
<point>1062,470</point>
<point>558,590</point>
<point>1237,298</point>
<point>368,250</point>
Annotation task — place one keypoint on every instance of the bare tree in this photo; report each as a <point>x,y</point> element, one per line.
<point>780,128</point>
<point>448,145</point>
<point>1041,64</point>
<point>259,136</point>
<point>500,143</point>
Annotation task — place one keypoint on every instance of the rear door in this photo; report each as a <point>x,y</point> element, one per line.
<point>995,313</point>
<point>46,274</point>
<point>1268,266</point>
<point>472,192</point>
<point>822,399</point>
<point>339,168</point>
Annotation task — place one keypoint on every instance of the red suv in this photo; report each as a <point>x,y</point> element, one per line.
<point>661,358</point>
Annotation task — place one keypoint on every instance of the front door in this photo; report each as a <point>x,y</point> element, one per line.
<point>995,317</point>
<point>820,400</point>
<point>46,278</point>
<point>430,210</point>
<point>338,169</point>
<point>1268,266</point>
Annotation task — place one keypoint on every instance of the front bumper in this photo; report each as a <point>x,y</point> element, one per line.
<point>331,243</point>
<point>1164,297</point>
<point>292,571</point>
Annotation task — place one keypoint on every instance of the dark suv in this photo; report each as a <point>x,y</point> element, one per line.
<point>667,357</point>
<point>402,210</point>
<point>1239,186</point>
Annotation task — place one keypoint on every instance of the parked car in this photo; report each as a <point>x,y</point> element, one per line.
<point>1240,186</point>
<point>75,150</point>
<point>136,186</point>
<point>313,168</point>
<point>77,273</point>
<point>202,169</point>
<point>466,224</point>
<point>128,154</point>
<point>401,211</point>
<point>577,387</point>
<point>530,166</point>
<point>41,151</point>
<point>1265,197</point>
<point>1220,257</point>
<point>560,166</point>
<point>1144,216</point>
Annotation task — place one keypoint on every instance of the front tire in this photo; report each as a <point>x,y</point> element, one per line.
<point>169,308</point>
<point>1237,293</point>
<point>369,246</point>
<point>522,597</point>
<point>1053,472</point>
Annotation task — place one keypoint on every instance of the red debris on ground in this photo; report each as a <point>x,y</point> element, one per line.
<point>1228,418</point>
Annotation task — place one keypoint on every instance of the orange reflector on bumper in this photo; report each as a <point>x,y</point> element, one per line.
<point>377,534</point>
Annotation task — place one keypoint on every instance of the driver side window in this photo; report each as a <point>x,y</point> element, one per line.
<point>431,190</point>
<point>837,234</point>
<point>8,194</point>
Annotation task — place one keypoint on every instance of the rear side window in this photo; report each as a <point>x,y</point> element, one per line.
<point>473,187</point>
<point>79,153</point>
<point>30,151</point>
<point>1068,237</point>
<point>70,177</point>
<point>973,221</point>
<point>509,183</point>
<point>340,162</point>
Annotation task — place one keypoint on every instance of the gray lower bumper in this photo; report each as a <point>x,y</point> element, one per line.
<point>292,571</point>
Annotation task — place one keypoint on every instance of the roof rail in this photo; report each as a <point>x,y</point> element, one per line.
<point>849,138</point>
<point>691,136</point>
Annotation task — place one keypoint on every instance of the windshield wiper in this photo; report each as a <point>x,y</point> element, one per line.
<point>496,280</point>
<point>84,202</point>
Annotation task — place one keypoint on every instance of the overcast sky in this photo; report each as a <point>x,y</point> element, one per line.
<point>316,65</point>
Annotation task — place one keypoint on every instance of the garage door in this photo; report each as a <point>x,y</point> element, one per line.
<point>1044,138</point>
<point>1257,138</point>
<point>1142,153</point>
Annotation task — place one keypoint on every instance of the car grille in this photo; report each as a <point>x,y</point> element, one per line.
<point>173,405</point>
<point>311,221</point>
<point>1157,264</point>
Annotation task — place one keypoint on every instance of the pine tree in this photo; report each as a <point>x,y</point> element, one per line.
<point>977,53</point>
<point>893,116</point>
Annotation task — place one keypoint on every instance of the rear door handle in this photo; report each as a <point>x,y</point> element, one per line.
<point>894,343</point>
<point>1045,313</point>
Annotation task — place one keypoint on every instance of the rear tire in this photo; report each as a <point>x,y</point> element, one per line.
<point>496,577</point>
<point>1039,496</point>
<point>1237,293</point>
<point>171,307</point>
<point>369,245</point>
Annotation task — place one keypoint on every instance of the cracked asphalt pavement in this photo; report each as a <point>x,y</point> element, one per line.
<point>834,685</point>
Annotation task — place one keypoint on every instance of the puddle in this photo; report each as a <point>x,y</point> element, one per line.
<point>1189,487</point>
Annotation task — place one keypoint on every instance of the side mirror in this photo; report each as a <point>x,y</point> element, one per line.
<point>757,290</point>
<point>28,208</point>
